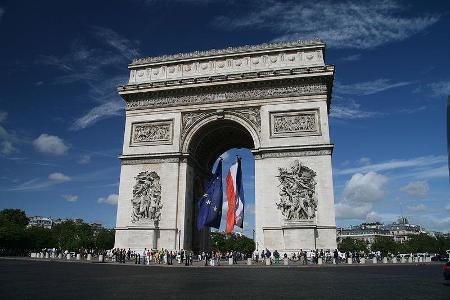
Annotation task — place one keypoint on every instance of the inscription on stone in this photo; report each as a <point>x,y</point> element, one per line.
<point>151,133</point>
<point>295,123</point>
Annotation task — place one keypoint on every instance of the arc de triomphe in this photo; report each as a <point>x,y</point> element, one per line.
<point>184,110</point>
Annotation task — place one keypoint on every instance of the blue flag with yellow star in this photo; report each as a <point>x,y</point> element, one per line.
<point>210,204</point>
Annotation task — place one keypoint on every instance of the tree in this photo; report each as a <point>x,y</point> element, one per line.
<point>232,242</point>
<point>39,238</point>
<point>13,217</point>
<point>350,245</point>
<point>104,239</point>
<point>385,245</point>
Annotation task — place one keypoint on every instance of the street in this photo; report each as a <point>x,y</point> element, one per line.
<point>24,279</point>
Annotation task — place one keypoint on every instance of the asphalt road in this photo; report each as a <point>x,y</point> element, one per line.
<point>22,279</point>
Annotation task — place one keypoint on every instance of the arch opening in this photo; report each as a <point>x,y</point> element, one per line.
<point>207,144</point>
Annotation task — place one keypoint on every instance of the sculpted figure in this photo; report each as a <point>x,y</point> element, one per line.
<point>146,201</point>
<point>297,195</point>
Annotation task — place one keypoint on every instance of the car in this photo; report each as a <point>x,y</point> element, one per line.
<point>446,271</point>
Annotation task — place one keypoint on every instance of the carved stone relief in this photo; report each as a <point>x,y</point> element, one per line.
<point>151,133</point>
<point>206,96</point>
<point>298,199</point>
<point>250,114</point>
<point>146,201</point>
<point>294,123</point>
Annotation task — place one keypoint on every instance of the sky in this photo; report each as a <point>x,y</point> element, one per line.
<point>62,121</point>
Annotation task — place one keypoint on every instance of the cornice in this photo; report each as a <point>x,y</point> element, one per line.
<point>226,51</point>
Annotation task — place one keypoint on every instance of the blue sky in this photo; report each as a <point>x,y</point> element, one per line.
<point>61,120</point>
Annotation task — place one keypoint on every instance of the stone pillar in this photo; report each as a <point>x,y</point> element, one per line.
<point>47,255</point>
<point>230,261</point>
<point>68,256</point>
<point>249,261</point>
<point>349,260</point>
<point>78,256</point>
<point>319,261</point>
<point>286,261</point>
<point>394,260</point>
<point>385,260</point>
<point>268,263</point>
<point>362,260</point>
<point>101,258</point>
<point>410,260</point>
<point>374,260</point>
<point>89,256</point>
<point>53,255</point>
<point>402,260</point>
<point>60,256</point>
<point>334,261</point>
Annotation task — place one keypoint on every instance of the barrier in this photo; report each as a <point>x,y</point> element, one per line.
<point>374,260</point>
<point>101,258</point>
<point>47,255</point>
<point>349,261</point>
<point>249,261</point>
<point>230,261</point>
<point>410,260</point>
<point>89,256</point>
<point>78,256</point>
<point>268,263</point>
<point>60,256</point>
<point>394,260</point>
<point>286,261</point>
<point>319,260</point>
<point>385,260</point>
<point>362,260</point>
<point>68,256</point>
<point>334,261</point>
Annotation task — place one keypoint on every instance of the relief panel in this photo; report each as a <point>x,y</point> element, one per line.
<point>151,133</point>
<point>294,123</point>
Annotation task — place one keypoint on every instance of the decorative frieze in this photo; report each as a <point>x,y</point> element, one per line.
<point>297,153</point>
<point>294,123</point>
<point>151,133</point>
<point>225,94</point>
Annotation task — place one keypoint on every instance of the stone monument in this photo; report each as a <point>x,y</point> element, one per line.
<point>184,110</point>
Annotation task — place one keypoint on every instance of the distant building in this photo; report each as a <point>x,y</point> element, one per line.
<point>400,231</point>
<point>40,222</point>
<point>367,232</point>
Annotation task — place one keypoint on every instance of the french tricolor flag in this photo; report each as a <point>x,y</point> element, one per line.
<point>235,196</point>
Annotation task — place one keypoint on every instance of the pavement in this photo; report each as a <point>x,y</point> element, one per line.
<point>50,279</point>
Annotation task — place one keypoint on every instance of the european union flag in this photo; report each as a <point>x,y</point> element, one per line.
<point>210,204</point>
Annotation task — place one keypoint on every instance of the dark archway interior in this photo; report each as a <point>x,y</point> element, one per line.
<point>217,137</point>
<point>207,144</point>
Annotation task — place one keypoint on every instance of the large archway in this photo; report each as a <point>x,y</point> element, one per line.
<point>184,110</point>
<point>207,143</point>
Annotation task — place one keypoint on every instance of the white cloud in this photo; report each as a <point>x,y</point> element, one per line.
<point>113,108</point>
<point>422,161</point>
<point>95,67</point>
<point>417,208</point>
<point>124,46</point>
<point>85,159</point>
<point>356,24</point>
<point>352,57</point>
<point>58,177</point>
<point>3,115</point>
<point>70,198</point>
<point>447,207</point>
<point>418,189</point>
<point>367,87</point>
<point>351,111</point>
<point>441,223</point>
<point>359,194</point>
<point>111,199</point>
<point>50,144</point>
<point>364,161</point>
<point>440,89</point>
